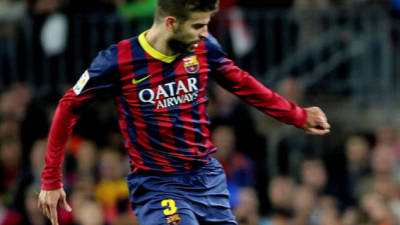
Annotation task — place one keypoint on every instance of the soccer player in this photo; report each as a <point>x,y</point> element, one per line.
<point>158,80</point>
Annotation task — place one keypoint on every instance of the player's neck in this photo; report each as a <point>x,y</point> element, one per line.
<point>158,39</point>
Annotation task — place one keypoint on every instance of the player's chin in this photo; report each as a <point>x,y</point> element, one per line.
<point>192,47</point>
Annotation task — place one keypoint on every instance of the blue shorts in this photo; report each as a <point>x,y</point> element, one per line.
<point>194,197</point>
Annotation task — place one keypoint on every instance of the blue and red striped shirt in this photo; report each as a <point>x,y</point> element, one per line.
<point>161,102</point>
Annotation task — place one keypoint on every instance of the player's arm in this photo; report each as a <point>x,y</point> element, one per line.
<point>242,84</point>
<point>101,77</point>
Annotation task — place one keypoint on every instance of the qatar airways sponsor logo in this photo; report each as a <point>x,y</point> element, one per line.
<point>171,94</point>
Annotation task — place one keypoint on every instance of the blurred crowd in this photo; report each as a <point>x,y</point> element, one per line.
<point>354,182</point>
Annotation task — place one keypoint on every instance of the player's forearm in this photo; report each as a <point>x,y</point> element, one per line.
<point>270,102</point>
<point>60,131</point>
<point>256,94</point>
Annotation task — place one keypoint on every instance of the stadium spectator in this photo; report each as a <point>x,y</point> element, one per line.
<point>292,146</point>
<point>305,206</point>
<point>111,190</point>
<point>387,187</point>
<point>29,177</point>
<point>83,189</point>
<point>22,117</point>
<point>246,211</point>
<point>32,212</point>
<point>238,168</point>
<point>313,174</point>
<point>291,89</point>
<point>8,216</point>
<point>9,129</point>
<point>12,104</point>
<point>86,159</point>
<point>81,161</point>
<point>11,165</point>
<point>329,213</point>
<point>383,160</point>
<point>278,217</point>
<point>351,216</point>
<point>385,135</point>
<point>89,212</point>
<point>225,108</point>
<point>377,210</point>
<point>281,193</point>
<point>358,164</point>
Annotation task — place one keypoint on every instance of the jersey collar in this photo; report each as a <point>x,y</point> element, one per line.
<point>153,52</point>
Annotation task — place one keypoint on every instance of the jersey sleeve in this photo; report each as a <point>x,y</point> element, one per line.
<point>100,78</point>
<point>242,84</point>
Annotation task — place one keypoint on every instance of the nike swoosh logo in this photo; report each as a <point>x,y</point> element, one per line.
<point>134,81</point>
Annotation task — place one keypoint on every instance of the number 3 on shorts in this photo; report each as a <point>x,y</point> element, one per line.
<point>170,203</point>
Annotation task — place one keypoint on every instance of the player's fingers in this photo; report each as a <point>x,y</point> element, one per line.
<point>318,113</point>
<point>46,211</point>
<point>327,126</point>
<point>323,125</point>
<point>322,118</point>
<point>42,205</point>
<point>43,211</point>
<point>64,204</point>
<point>315,116</point>
<point>317,131</point>
<point>53,214</point>
<point>323,132</point>
<point>45,203</point>
<point>39,205</point>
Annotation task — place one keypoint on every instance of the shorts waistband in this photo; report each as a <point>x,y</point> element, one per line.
<point>195,168</point>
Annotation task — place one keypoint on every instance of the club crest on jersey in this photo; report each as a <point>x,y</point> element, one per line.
<point>191,64</point>
<point>174,219</point>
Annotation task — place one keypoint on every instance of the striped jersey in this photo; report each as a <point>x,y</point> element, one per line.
<point>161,102</point>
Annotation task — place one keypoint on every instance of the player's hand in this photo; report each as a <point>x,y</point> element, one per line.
<point>316,122</point>
<point>48,201</point>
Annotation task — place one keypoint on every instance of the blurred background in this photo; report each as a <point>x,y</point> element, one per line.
<point>342,55</point>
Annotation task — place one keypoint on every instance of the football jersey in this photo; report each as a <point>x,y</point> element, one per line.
<point>161,102</point>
